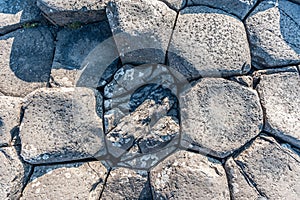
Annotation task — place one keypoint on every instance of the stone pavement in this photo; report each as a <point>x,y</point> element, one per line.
<point>149,99</point>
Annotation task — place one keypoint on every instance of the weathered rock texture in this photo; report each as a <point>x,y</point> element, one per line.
<point>175,4</point>
<point>141,29</point>
<point>220,116</point>
<point>274,33</point>
<point>14,174</point>
<point>65,124</point>
<point>273,169</point>
<point>186,175</point>
<point>209,42</point>
<point>10,111</point>
<point>25,60</point>
<point>71,181</point>
<point>61,12</point>
<point>279,95</point>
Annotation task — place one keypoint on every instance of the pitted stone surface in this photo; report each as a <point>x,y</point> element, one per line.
<point>240,187</point>
<point>239,8</point>
<point>63,12</point>
<point>14,13</point>
<point>279,95</point>
<point>71,181</point>
<point>14,174</point>
<point>186,175</point>
<point>142,29</point>
<point>273,169</point>
<point>25,60</point>
<point>125,183</point>
<point>73,54</point>
<point>65,124</point>
<point>209,42</point>
<point>219,116</point>
<point>175,4</point>
<point>274,33</point>
<point>10,111</point>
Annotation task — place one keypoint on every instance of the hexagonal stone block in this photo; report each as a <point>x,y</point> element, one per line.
<point>141,29</point>
<point>219,116</point>
<point>274,34</point>
<point>239,8</point>
<point>82,56</point>
<point>125,183</point>
<point>65,123</point>
<point>273,169</point>
<point>14,13</point>
<point>209,42</point>
<point>72,181</point>
<point>186,175</point>
<point>10,111</point>
<point>14,173</point>
<point>62,12</point>
<point>25,60</point>
<point>279,94</point>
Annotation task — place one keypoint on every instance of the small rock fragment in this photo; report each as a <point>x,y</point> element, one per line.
<point>175,4</point>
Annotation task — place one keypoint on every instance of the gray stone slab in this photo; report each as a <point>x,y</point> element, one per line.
<point>15,13</point>
<point>10,111</point>
<point>239,8</point>
<point>186,175</point>
<point>71,181</point>
<point>141,29</point>
<point>25,60</point>
<point>273,169</point>
<point>209,42</point>
<point>14,173</point>
<point>125,183</point>
<point>219,116</point>
<point>62,12</point>
<point>65,123</point>
<point>274,33</point>
<point>279,95</point>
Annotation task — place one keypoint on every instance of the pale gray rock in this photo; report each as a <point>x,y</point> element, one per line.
<point>240,186</point>
<point>61,12</point>
<point>279,95</point>
<point>65,123</point>
<point>219,116</point>
<point>274,33</point>
<point>273,169</point>
<point>14,174</point>
<point>10,111</point>
<point>239,8</point>
<point>25,60</point>
<point>209,42</point>
<point>71,181</point>
<point>141,29</point>
<point>125,183</point>
<point>175,4</point>
<point>76,51</point>
<point>15,13</point>
<point>186,175</point>
<point>243,80</point>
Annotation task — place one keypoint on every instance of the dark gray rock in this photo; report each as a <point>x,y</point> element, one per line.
<point>219,116</point>
<point>175,4</point>
<point>272,168</point>
<point>239,8</point>
<point>125,183</point>
<point>15,13</point>
<point>79,50</point>
<point>62,12</point>
<point>141,29</point>
<point>279,95</point>
<point>10,110</point>
<point>71,181</point>
<point>14,173</point>
<point>65,123</point>
<point>25,60</point>
<point>209,42</point>
<point>186,175</point>
<point>274,33</point>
